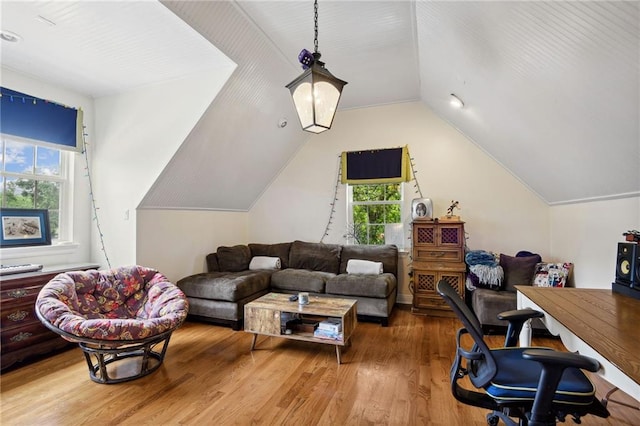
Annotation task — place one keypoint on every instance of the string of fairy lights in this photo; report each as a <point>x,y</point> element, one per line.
<point>94,207</point>
<point>31,99</point>
<point>416,187</point>
<point>333,203</point>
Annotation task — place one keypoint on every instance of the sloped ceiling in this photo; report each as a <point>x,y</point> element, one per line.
<point>551,89</point>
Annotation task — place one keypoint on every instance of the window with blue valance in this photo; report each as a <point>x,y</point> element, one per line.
<point>30,117</point>
<point>376,166</point>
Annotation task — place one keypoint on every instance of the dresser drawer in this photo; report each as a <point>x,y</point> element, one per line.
<point>22,337</point>
<point>437,255</point>
<point>18,316</point>
<point>430,301</point>
<point>14,296</point>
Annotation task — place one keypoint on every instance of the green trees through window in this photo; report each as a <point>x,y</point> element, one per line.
<point>31,178</point>
<point>372,208</point>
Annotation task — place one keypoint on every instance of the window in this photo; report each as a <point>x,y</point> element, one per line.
<point>375,211</point>
<point>35,176</point>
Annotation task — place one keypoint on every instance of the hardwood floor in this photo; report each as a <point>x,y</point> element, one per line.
<point>397,375</point>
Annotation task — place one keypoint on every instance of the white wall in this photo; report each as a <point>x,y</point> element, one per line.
<point>501,214</point>
<point>79,250</point>
<point>587,234</point>
<point>175,242</point>
<point>137,133</point>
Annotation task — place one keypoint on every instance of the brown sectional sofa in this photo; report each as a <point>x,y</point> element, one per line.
<point>219,295</point>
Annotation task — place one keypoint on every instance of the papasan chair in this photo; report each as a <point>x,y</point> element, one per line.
<point>122,318</point>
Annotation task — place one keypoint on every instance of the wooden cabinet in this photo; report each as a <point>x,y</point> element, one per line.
<point>438,253</point>
<point>21,332</point>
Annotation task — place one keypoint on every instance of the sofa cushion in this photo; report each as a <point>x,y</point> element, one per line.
<point>233,259</point>
<point>280,250</point>
<point>518,270</point>
<point>387,254</point>
<point>212,263</point>
<point>294,280</point>
<point>315,256</point>
<point>487,304</point>
<point>225,285</point>
<point>377,286</point>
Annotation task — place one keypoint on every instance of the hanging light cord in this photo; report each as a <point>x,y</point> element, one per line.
<point>93,200</point>
<point>315,19</point>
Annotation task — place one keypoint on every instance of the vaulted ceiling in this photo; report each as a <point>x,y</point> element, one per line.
<point>551,89</point>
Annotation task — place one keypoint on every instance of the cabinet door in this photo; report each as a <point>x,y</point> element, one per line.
<point>450,235</point>
<point>424,286</point>
<point>261,320</point>
<point>438,235</point>
<point>424,235</point>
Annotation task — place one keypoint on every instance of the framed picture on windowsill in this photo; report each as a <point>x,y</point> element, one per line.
<point>24,227</point>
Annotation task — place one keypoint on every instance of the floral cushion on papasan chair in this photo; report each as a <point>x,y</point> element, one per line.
<point>128,303</point>
<point>113,313</point>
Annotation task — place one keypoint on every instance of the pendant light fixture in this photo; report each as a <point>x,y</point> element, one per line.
<point>316,92</point>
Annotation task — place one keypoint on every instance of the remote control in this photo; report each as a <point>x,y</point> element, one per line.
<point>293,298</point>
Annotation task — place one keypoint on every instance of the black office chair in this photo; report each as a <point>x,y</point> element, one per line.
<point>535,385</point>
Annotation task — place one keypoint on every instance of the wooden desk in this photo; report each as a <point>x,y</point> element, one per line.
<point>594,322</point>
<point>22,335</point>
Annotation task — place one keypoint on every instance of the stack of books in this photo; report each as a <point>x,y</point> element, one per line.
<point>331,329</point>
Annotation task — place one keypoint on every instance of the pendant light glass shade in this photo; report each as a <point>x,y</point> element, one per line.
<point>316,93</point>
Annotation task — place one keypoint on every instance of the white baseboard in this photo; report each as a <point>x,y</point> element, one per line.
<point>404,299</point>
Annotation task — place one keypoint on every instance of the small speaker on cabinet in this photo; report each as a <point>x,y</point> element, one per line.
<point>626,264</point>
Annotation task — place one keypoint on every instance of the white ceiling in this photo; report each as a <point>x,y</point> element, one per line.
<point>100,48</point>
<point>551,89</point>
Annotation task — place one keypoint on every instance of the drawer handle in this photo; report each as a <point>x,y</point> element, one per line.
<point>20,337</point>
<point>437,254</point>
<point>18,316</point>
<point>18,293</point>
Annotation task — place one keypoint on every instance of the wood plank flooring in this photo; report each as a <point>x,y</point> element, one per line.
<point>397,375</point>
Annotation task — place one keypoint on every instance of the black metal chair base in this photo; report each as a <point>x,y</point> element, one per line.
<point>101,356</point>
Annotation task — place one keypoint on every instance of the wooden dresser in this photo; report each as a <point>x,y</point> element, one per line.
<point>22,334</point>
<point>438,253</point>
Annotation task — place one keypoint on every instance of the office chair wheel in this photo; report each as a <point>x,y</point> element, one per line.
<point>492,419</point>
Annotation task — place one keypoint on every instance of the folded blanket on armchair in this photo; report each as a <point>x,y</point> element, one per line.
<point>488,275</point>
<point>480,257</point>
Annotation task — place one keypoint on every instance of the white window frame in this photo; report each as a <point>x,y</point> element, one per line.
<point>399,240</point>
<point>65,179</point>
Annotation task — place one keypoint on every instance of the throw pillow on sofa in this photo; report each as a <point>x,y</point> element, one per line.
<point>264,262</point>
<point>518,270</point>
<point>280,250</point>
<point>552,274</point>
<point>315,256</point>
<point>358,266</point>
<point>233,259</point>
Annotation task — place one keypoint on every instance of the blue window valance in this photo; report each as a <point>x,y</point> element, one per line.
<point>34,118</point>
<point>376,166</point>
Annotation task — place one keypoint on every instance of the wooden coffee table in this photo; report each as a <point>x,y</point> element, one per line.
<point>264,316</point>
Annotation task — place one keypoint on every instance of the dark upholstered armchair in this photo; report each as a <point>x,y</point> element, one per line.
<point>535,385</point>
<point>118,315</point>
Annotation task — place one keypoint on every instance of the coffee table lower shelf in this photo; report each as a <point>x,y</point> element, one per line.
<point>264,316</point>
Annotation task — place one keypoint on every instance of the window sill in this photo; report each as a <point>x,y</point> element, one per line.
<point>33,251</point>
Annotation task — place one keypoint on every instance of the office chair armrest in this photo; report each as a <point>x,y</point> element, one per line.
<point>520,314</point>
<point>516,319</point>
<point>561,359</point>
